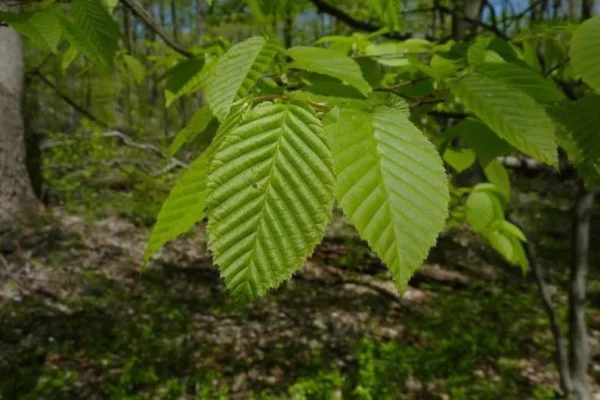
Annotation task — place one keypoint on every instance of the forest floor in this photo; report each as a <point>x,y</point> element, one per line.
<point>80,320</point>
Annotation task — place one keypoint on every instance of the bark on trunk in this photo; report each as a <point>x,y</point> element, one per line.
<point>16,193</point>
<point>579,352</point>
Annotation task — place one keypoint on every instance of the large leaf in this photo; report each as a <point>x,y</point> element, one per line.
<point>513,115</point>
<point>92,31</point>
<point>42,27</point>
<point>522,78</point>
<point>391,185</point>
<point>585,52</point>
<point>328,62</point>
<point>182,209</point>
<point>271,184</point>
<point>237,72</point>
<point>579,134</point>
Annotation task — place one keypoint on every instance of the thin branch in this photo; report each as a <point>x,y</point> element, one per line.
<point>69,101</point>
<point>342,16</point>
<point>488,27</point>
<point>557,66</point>
<point>117,133</point>
<point>539,276</point>
<point>154,26</point>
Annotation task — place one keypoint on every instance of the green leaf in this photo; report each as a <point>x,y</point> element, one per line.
<point>585,52</point>
<point>68,57</point>
<point>524,79</point>
<point>496,173</point>
<point>395,53</point>
<point>182,209</point>
<point>530,55</point>
<point>92,31</point>
<point>328,62</point>
<point>198,124</point>
<point>391,185</point>
<point>459,159</point>
<point>483,209</point>
<point>389,13</point>
<point>135,67</point>
<point>187,77</point>
<point>512,229</point>
<point>42,27</point>
<point>486,144</point>
<point>578,133</point>
<point>271,184</point>
<point>237,72</point>
<point>508,246</point>
<point>510,113</point>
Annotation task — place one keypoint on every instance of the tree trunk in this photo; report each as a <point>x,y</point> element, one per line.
<point>16,193</point>
<point>579,352</point>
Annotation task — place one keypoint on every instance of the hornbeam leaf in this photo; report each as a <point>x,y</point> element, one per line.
<point>42,27</point>
<point>199,123</point>
<point>93,31</point>
<point>585,52</point>
<point>391,185</point>
<point>578,133</point>
<point>329,62</point>
<point>186,203</point>
<point>182,209</point>
<point>237,72</point>
<point>513,115</point>
<point>271,186</point>
<point>522,78</point>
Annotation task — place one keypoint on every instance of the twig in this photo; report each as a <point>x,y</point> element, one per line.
<point>539,276</point>
<point>118,133</point>
<point>557,66</point>
<point>154,26</point>
<point>324,7</point>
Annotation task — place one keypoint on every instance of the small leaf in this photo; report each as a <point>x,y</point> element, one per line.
<point>135,67</point>
<point>510,113</point>
<point>483,209</point>
<point>68,58</point>
<point>327,62</point>
<point>237,72</point>
<point>585,52</point>
<point>496,173</point>
<point>459,159</point>
<point>391,185</point>
<point>389,13</point>
<point>512,229</point>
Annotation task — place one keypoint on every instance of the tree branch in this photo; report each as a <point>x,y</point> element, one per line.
<point>154,26</point>
<point>324,7</point>
<point>117,133</point>
<point>559,340</point>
